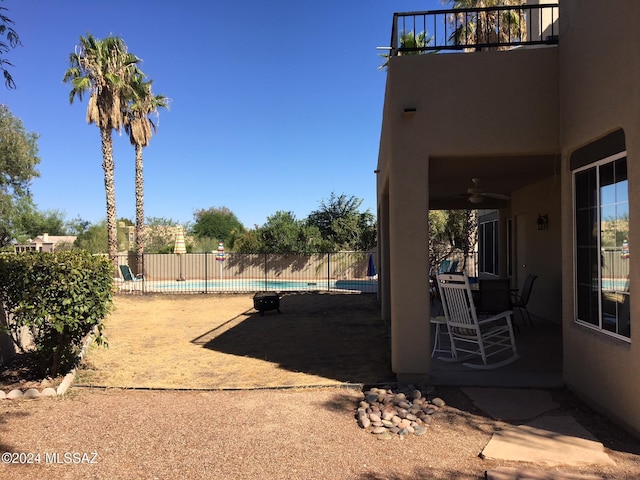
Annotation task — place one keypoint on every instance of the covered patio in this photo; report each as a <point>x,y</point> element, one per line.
<point>541,127</point>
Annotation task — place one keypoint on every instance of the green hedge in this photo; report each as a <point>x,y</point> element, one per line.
<point>61,298</point>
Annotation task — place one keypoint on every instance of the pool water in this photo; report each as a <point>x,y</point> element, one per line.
<point>258,285</point>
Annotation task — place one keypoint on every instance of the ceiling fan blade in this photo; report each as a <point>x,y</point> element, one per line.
<point>498,196</point>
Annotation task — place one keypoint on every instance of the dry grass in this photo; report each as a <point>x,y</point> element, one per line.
<point>220,341</point>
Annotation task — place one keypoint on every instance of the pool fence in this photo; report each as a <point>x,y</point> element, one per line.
<point>212,272</point>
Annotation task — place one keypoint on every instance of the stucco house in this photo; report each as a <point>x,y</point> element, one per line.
<point>551,121</point>
<point>45,243</point>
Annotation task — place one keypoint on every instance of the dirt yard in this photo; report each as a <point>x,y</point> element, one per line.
<point>220,341</point>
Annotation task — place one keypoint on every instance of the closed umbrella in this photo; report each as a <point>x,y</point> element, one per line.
<point>180,249</point>
<point>371,267</point>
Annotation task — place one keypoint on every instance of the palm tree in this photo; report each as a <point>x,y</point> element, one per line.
<point>103,68</point>
<point>492,27</point>
<point>140,128</point>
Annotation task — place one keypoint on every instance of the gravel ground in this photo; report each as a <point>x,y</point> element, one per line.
<point>301,433</point>
<point>270,434</point>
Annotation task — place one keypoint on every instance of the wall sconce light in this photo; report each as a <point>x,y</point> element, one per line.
<point>409,111</point>
<point>543,222</point>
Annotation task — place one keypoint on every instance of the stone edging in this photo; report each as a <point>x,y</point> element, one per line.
<point>50,391</point>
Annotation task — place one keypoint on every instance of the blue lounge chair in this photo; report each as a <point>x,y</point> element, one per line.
<point>129,279</point>
<point>444,266</point>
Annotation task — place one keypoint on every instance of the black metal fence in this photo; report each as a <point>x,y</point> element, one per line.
<point>238,272</point>
<point>474,28</point>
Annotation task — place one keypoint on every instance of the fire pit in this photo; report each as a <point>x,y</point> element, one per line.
<point>264,301</point>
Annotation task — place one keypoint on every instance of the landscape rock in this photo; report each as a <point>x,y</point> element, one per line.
<point>32,393</point>
<point>13,394</point>
<point>49,392</point>
<point>406,411</point>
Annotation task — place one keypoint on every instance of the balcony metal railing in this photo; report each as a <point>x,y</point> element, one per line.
<point>472,29</point>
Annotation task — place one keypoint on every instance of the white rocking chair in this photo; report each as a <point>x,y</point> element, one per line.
<point>474,338</point>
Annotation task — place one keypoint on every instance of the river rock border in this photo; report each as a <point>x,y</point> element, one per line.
<point>50,391</point>
<point>388,414</point>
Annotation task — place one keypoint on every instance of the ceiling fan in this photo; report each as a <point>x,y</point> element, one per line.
<point>477,194</point>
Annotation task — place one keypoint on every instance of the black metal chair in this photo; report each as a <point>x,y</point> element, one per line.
<point>494,295</point>
<point>520,300</point>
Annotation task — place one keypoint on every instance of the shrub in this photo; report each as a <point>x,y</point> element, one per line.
<point>61,298</point>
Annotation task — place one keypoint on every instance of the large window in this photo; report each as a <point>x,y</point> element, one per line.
<point>488,244</point>
<point>601,203</point>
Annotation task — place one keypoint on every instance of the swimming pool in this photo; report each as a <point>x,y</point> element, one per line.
<point>241,285</point>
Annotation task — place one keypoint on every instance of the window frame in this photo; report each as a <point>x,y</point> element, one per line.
<point>593,165</point>
<point>484,249</point>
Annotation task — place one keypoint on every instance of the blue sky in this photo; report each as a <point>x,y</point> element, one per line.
<point>274,104</point>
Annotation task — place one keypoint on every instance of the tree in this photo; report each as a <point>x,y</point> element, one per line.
<point>343,225</point>
<point>10,40</point>
<point>161,235</point>
<point>282,233</point>
<point>29,222</point>
<point>104,69</point>
<point>462,229</point>
<point>409,40</point>
<point>486,27</point>
<point>18,161</point>
<point>77,226</point>
<point>219,223</point>
<point>140,128</point>
<point>451,231</point>
<point>249,242</point>
<point>93,239</point>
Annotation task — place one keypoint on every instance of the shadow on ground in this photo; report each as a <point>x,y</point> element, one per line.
<point>340,337</point>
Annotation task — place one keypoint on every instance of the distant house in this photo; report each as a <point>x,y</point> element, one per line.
<point>45,243</point>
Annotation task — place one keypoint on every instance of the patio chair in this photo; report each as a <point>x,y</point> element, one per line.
<point>445,266</point>
<point>494,295</point>
<point>129,279</point>
<point>520,300</point>
<point>470,336</point>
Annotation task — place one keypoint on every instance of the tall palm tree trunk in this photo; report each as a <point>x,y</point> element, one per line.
<point>110,191</point>
<point>140,232</point>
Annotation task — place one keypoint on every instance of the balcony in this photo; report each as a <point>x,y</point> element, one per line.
<point>474,29</point>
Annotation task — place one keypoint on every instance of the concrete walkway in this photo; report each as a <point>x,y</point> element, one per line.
<point>536,437</point>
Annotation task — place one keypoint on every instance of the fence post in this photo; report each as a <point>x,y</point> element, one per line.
<point>206,271</point>
<point>265,270</point>
<point>328,270</point>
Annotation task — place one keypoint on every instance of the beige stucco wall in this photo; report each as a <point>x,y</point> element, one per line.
<point>543,248</point>
<point>525,101</point>
<point>457,114</point>
<point>501,102</point>
<point>599,72</point>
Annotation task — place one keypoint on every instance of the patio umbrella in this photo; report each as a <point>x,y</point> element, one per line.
<point>371,267</point>
<point>180,249</point>
<point>220,255</point>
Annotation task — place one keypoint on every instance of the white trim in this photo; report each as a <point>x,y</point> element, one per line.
<point>576,320</point>
<point>590,326</point>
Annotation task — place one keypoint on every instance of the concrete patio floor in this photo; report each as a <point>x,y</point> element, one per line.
<point>539,365</point>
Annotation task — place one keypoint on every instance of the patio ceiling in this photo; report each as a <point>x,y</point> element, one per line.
<point>450,177</point>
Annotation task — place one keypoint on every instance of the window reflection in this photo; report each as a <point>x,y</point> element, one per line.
<point>602,246</point>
